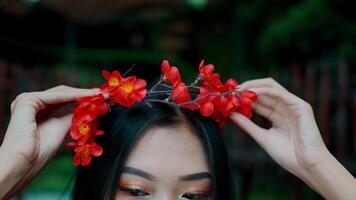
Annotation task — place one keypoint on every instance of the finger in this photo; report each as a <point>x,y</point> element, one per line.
<point>256,132</point>
<point>50,109</point>
<point>265,82</point>
<point>53,133</point>
<point>28,104</point>
<point>69,88</point>
<point>62,88</point>
<point>267,101</point>
<point>269,113</point>
<point>288,98</point>
<point>295,106</point>
<point>273,103</point>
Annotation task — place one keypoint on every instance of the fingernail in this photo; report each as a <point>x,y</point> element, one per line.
<point>233,115</point>
<point>106,95</point>
<point>96,91</point>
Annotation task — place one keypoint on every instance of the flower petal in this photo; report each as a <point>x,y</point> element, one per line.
<point>173,75</point>
<point>138,95</point>
<point>165,66</point>
<point>85,161</point>
<point>99,132</point>
<point>74,133</point>
<point>245,101</point>
<point>71,145</point>
<point>201,64</point>
<point>129,79</point>
<point>139,84</point>
<point>76,160</point>
<point>96,150</point>
<point>116,74</point>
<point>249,94</point>
<point>207,109</point>
<point>106,74</point>
<point>82,140</point>
<point>231,84</point>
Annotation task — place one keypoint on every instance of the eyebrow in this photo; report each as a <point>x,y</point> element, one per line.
<point>150,177</point>
<point>138,172</point>
<point>195,176</point>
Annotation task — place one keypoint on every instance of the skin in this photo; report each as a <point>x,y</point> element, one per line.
<point>167,163</point>
<point>294,141</point>
<point>28,144</point>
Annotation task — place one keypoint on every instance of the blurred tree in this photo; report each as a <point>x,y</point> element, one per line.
<point>285,32</point>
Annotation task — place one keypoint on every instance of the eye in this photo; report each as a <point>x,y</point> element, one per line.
<point>134,192</point>
<point>196,196</point>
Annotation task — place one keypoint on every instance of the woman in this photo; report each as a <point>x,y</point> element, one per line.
<point>157,152</point>
<point>172,155</point>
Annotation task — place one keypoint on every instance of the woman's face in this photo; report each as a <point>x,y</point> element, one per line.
<point>167,164</point>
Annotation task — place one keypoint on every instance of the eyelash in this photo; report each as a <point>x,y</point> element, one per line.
<point>134,192</point>
<point>187,196</point>
<point>196,196</point>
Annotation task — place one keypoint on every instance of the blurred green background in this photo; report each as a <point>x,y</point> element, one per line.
<point>309,46</point>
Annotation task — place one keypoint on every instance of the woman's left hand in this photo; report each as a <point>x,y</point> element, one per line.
<point>293,141</point>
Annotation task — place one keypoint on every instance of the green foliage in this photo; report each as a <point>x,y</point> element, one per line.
<point>56,176</point>
<point>282,32</point>
<point>293,28</point>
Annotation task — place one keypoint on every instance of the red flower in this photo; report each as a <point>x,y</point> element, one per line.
<point>212,82</point>
<point>124,91</point>
<point>246,99</point>
<point>84,127</point>
<point>223,107</point>
<point>219,106</point>
<point>180,93</point>
<point>83,153</point>
<point>207,103</point>
<point>92,105</point>
<point>246,111</point>
<point>231,84</point>
<point>207,109</point>
<point>83,122</point>
<point>113,81</point>
<point>228,104</point>
<point>131,90</point>
<point>249,94</point>
<point>210,79</point>
<point>171,74</point>
<point>205,70</point>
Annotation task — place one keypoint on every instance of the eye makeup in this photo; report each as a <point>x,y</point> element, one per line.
<point>197,191</point>
<point>195,196</point>
<point>133,189</point>
<point>138,184</point>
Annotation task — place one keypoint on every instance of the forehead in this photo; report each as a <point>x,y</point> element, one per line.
<point>169,152</point>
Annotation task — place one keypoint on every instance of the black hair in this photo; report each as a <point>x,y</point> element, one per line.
<point>123,129</point>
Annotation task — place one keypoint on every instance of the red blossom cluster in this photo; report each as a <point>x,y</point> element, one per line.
<point>121,90</point>
<point>215,99</point>
<point>208,94</point>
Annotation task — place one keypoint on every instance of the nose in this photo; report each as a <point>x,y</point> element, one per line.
<point>165,196</point>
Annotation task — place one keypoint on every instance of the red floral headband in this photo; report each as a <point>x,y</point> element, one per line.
<point>207,93</point>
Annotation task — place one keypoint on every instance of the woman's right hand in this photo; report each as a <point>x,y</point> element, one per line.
<point>29,143</point>
<point>294,141</point>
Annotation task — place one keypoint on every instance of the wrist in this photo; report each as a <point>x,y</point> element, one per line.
<point>12,169</point>
<point>330,179</point>
<point>321,160</point>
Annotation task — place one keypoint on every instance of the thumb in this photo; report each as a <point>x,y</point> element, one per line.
<point>54,131</point>
<point>256,132</point>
